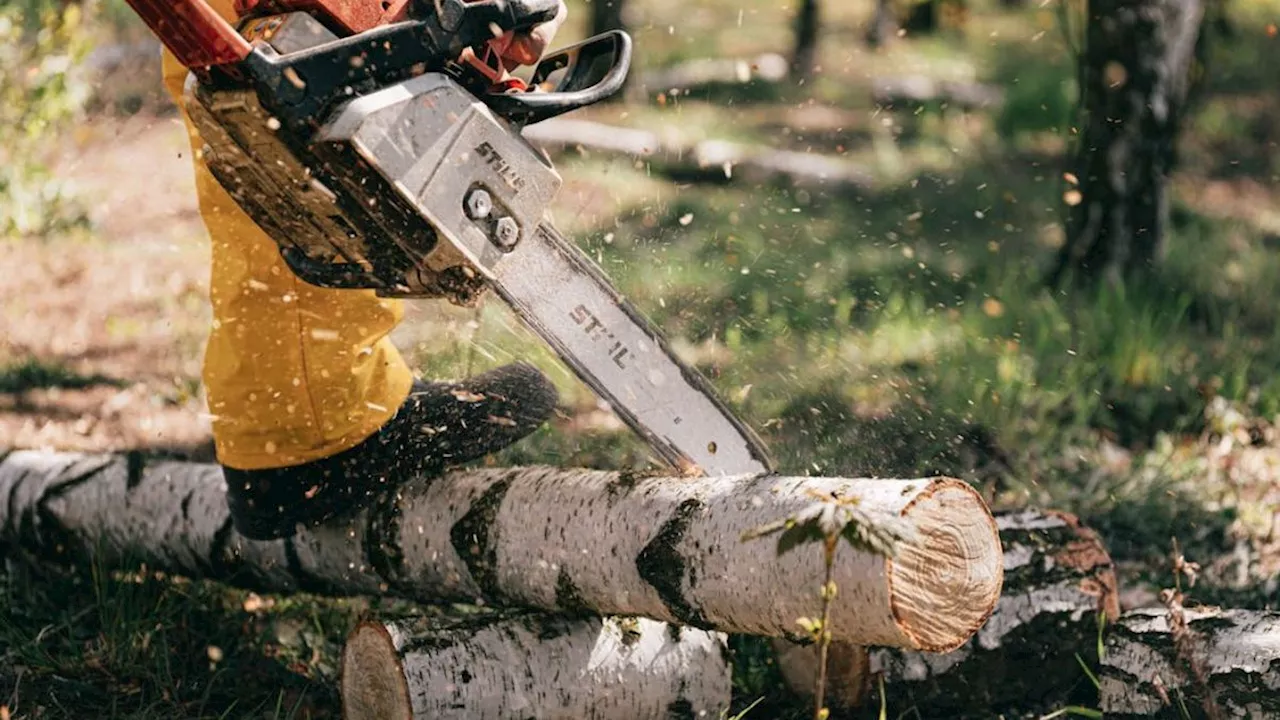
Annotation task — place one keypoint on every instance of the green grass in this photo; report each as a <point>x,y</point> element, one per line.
<point>32,373</point>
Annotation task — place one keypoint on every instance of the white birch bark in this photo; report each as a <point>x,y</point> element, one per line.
<point>1240,655</point>
<point>534,666</point>
<point>543,538</point>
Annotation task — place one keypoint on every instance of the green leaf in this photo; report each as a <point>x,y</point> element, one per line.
<point>798,535</point>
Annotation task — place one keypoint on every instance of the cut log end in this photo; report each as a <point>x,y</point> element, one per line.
<point>373,679</point>
<point>944,586</point>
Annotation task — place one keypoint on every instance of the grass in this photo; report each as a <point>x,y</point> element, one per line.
<point>902,331</point>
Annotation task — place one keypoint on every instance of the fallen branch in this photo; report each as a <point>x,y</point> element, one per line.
<point>1058,578</point>
<point>533,666</point>
<point>768,67</point>
<point>1144,676</point>
<point>921,89</point>
<point>710,160</point>
<point>576,541</point>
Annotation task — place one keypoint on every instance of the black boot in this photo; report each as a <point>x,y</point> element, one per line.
<point>438,426</point>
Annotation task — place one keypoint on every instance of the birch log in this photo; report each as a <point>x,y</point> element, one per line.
<point>710,160</point>
<point>1058,579</point>
<point>534,666</point>
<point>1238,652</point>
<point>578,541</point>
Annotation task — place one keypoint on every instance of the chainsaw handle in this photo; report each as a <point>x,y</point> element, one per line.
<point>193,32</point>
<point>592,71</point>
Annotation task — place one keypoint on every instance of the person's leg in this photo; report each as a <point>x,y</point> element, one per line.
<point>311,402</point>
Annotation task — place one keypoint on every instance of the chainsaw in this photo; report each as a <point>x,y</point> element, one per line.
<point>378,143</point>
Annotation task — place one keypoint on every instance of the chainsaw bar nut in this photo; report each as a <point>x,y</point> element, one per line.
<point>507,233</point>
<point>479,204</point>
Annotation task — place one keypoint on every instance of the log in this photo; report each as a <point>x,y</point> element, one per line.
<point>1237,650</point>
<point>767,67</point>
<point>533,666</point>
<point>921,89</point>
<point>565,541</point>
<point>1058,579</point>
<point>708,160</point>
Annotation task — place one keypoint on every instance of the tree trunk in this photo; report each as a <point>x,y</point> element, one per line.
<point>1238,652</point>
<point>1134,78</point>
<point>574,541</point>
<point>1058,578</point>
<point>884,25</point>
<point>804,61</point>
<point>533,666</point>
<point>608,15</point>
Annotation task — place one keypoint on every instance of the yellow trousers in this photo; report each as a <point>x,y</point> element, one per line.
<point>292,372</point>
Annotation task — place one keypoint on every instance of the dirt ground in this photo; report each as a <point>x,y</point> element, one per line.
<point>123,307</point>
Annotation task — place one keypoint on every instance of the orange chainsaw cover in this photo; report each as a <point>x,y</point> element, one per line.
<point>292,372</point>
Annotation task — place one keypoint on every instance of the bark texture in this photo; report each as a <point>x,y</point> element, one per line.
<point>573,541</point>
<point>534,666</point>
<point>1058,578</point>
<point>1238,650</point>
<point>1134,80</point>
<point>710,160</point>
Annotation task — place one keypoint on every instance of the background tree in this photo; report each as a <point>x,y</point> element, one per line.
<point>608,15</point>
<point>804,60</point>
<point>1135,74</point>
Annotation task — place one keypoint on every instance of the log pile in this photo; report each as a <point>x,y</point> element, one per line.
<point>576,543</point>
<point>613,593</point>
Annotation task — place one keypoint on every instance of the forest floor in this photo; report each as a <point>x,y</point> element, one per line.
<point>899,330</point>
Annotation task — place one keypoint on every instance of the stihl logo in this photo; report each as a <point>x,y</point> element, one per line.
<point>597,331</point>
<point>500,165</point>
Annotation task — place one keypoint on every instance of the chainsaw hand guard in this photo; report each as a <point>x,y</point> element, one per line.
<point>568,79</point>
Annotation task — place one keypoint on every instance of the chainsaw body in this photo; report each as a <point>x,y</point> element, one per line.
<point>356,179</point>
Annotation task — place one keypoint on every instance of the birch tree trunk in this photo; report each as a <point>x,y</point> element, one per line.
<point>1135,73</point>
<point>1237,651</point>
<point>574,541</point>
<point>533,666</point>
<point>1058,579</point>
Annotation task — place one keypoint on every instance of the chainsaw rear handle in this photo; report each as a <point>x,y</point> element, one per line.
<point>196,35</point>
<point>568,79</point>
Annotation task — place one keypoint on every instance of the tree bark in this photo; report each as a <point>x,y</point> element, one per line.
<point>1058,579</point>
<point>571,541</point>
<point>804,60</point>
<point>533,666</point>
<point>608,15</point>
<point>884,25</point>
<point>1239,653</point>
<point>1134,79</point>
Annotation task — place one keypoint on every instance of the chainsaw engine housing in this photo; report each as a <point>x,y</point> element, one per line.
<point>357,198</point>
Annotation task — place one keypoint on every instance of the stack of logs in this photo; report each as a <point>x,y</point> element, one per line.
<point>618,592</point>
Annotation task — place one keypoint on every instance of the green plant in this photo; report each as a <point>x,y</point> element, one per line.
<point>828,520</point>
<point>43,87</point>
